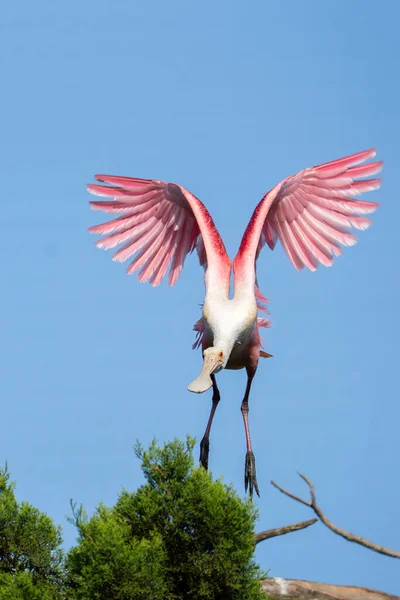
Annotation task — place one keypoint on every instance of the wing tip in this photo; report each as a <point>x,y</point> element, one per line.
<point>346,161</point>
<point>91,188</point>
<point>365,154</point>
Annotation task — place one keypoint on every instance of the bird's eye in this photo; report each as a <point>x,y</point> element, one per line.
<point>220,354</point>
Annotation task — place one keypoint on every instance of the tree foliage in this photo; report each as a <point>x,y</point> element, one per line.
<point>30,549</point>
<point>180,535</point>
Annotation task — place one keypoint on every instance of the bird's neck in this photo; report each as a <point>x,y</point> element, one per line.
<point>229,321</point>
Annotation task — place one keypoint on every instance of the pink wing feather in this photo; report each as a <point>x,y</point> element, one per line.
<point>311,213</point>
<point>159,224</point>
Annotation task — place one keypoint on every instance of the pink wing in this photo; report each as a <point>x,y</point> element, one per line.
<point>159,224</point>
<point>311,213</point>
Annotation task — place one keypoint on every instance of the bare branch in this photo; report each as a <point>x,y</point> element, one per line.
<point>297,498</point>
<point>281,589</point>
<point>347,535</point>
<point>270,533</point>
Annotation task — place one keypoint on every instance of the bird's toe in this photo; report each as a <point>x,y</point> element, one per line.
<point>204,451</point>
<point>250,477</point>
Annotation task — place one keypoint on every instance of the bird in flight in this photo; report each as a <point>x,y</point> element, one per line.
<point>159,223</point>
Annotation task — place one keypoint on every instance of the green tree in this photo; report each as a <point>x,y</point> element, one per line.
<point>180,535</point>
<point>30,549</point>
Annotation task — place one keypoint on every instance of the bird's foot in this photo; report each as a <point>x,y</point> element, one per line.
<point>204,451</point>
<point>250,478</point>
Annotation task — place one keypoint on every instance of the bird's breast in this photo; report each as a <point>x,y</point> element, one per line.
<point>230,317</point>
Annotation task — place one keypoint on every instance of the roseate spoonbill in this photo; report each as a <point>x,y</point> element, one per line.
<point>160,223</point>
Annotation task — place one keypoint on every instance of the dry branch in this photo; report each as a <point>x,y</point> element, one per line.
<point>288,589</point>
<point>269,533</point>
<point>351,537</point>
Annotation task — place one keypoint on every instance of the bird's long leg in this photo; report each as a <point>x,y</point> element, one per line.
<point>250,478</point>
<point>205,442</point>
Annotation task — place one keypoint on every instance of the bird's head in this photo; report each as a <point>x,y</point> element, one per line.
<point>213,362</point>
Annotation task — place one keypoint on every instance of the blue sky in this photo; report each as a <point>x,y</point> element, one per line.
<point>226,99</point>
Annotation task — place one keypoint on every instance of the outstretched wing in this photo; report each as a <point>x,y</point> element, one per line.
<point>312,212</point>
<point>158,224</point>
